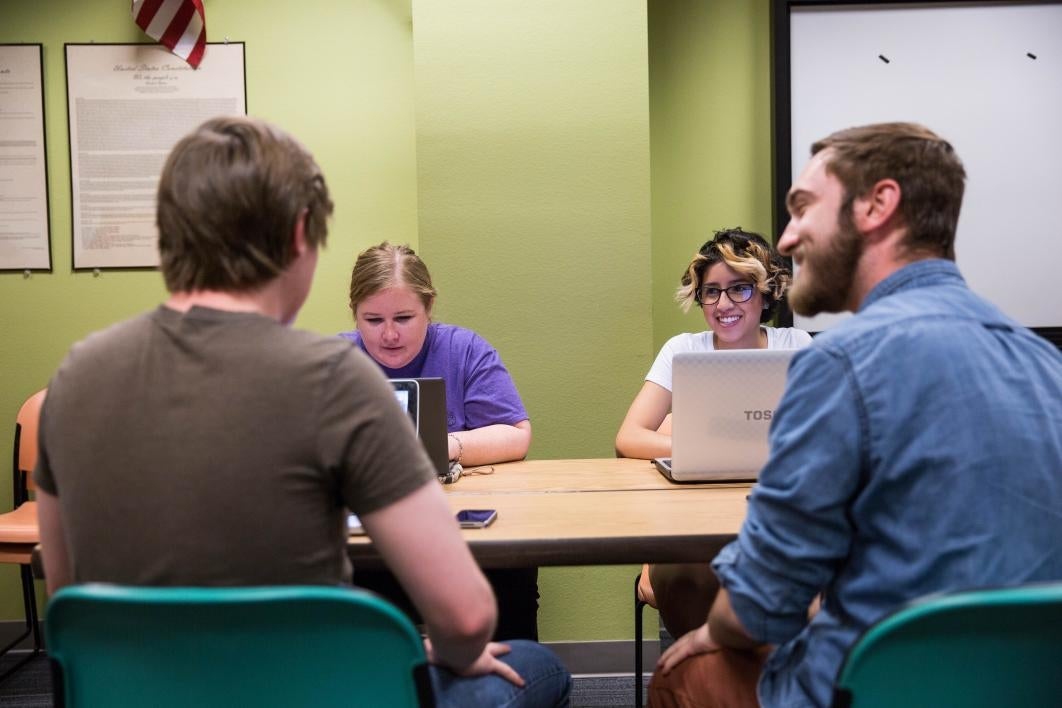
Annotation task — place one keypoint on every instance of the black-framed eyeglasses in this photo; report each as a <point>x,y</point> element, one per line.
<point>710,294</point>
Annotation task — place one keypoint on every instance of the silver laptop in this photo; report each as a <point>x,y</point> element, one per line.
<point>721,408</point>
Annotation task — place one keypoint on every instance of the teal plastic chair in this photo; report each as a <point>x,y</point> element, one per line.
<point>980,648</point>
<point>269,646</point>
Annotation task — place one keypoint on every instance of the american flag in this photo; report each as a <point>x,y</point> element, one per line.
<point>178,25</point>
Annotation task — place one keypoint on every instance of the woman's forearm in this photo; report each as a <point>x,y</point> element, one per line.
<point>490,444</point>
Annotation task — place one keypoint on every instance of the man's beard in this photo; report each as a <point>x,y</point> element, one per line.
<point>828,271</point>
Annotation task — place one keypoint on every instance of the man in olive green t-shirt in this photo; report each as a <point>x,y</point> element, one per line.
<point>207,443</point>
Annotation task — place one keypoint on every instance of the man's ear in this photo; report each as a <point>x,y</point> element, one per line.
<point>874,209</point>
<point>299,233</point>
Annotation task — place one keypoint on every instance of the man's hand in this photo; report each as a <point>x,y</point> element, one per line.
<point>697,641</point>
<point>815,606</point>
<point>487,663</point>
<point>645,588</point>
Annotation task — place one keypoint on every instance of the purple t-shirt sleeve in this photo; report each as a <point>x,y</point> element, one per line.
<point>490,395</point>
<point>479,389</point>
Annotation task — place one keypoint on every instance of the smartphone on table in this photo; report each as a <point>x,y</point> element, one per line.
<point>466,518</point>
<point>476,518</point>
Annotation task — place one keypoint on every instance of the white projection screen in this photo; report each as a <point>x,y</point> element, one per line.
<point>985,76</point>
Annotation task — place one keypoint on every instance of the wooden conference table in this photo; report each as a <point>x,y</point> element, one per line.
<point>580,512</point>
<point>589,512</point>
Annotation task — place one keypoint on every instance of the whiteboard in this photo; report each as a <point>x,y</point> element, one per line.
<point>985,76</point>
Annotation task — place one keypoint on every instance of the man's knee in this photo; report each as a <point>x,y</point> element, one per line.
<point>725,678</point>
<point>684,594</point>
<point>547,681</point>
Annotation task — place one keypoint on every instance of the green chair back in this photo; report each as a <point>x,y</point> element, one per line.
<point>269,646</point>
<point>980,648</point>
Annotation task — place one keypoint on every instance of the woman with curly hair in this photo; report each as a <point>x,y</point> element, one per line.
<point>737,279</point>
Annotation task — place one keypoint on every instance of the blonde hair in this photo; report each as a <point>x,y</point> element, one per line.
<point>386,266</point>
<point>750,256</point>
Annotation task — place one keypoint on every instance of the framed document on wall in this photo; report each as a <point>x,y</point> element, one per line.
<point>25,242</point>
<point>128,105</point>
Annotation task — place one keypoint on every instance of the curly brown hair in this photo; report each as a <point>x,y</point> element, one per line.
<point>748,254</point>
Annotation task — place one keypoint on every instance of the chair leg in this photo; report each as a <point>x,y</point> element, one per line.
<point>33,625</point>
<point>638,605</point>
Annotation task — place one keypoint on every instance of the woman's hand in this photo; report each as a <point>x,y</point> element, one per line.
<point>697,641</point>
<point>487,663</point>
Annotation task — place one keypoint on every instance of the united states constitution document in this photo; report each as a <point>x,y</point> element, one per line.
<point>128,105</point>
<point>24,230</point>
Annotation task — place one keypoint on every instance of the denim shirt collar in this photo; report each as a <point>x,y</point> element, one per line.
<point>920,274</point>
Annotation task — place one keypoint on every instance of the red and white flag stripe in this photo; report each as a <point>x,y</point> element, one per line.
<point>178,25</point>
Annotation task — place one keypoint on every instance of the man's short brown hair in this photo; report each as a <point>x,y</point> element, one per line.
<point>929,172</point>
<point>229,197</point>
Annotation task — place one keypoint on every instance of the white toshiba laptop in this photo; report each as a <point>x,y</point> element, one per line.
<point>722,403</point>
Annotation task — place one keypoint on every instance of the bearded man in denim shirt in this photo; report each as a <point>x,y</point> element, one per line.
<point>917,449</point>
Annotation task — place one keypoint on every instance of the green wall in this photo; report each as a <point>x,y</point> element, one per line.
<point>533,164</point>
<point>709,87</point>
<point>509,142</point>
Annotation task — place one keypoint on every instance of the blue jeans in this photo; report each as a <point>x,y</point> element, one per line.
<point>546,682</point>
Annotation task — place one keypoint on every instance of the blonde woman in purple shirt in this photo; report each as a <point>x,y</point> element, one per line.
<point>391,298</point>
